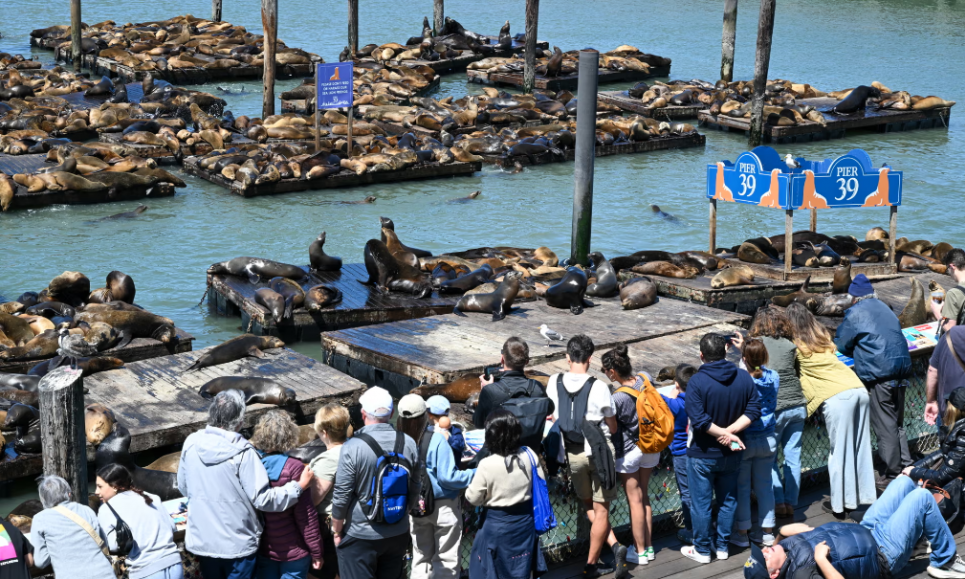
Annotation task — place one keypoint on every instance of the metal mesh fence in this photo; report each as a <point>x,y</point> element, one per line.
<point>571,536</point>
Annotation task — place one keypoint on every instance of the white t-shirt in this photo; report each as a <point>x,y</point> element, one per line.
<point>599,405</point>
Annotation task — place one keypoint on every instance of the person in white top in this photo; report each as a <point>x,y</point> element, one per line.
<point>577,396</point>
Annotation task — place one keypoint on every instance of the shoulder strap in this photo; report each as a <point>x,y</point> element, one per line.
<point>628,391</point>
<point>120,521</point>
<point>379,453</point>
<point>84,525</point>
<point>399,443</point>
<point>646,381</point>
<point>951,349</point>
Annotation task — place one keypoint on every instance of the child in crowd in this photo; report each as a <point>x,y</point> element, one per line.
<point>438,407</point>
<point>678,448</point>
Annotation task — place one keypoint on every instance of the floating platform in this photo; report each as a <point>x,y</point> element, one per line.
<point>684,141</point>
<point>361,305</point>
<point>305,106</point>
<point>439,349</point>
<point>568,82</point>
<point>138,349</point>
<point>817,274</point>
<point>161,155</point>
<point>837,126</point>
<point>340,180</point>
<point>623,100</point>
<point>79,101</point>
<point>158,401</point>
<point>444,65</point>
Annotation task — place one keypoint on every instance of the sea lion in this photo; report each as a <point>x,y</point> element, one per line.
<point>855,100</point>
<point>499,302</point>
<point>731,276</point>
<point>398,250</point>
<point>804,257</point>
<point>167,463</point>
<point>940,250</point>
<point>568,293</point>
<point>51,309</point>
<point>132,324</point>
<point>462,388</point>
<point>125,215</point>
<point>292,292</point>
<point>317,258</point>
<point>121,287</point>
<point>842,278</point>
<point>21,396</point>
<point>29,442</point>
<point>916,311</point>
<point>387,274</point>
<point>667,373</point>
<point>467,282</point>
<point>16,329</point>
<point>637,292</point>
<point>19,382</point>
<point>919,246</point>
<point>20,416</point>
<point>876,233</point>
<point>321,297</point>
<point>701,258</point>
<point>829,304</point>
<point>104,86</point>
<point>910,262</point>
<point>606,278</point>
<point>801,296</point>
<point>256,390</point>
<point>365,201</point>
<point>467,198</point>
<point>389,224</point>
<point>99,421</point>
<point>116,447</point>
<point>87,366</point>
<point>663,215</point>
<point>273,301</point>
<point>666,269</point>
<point>235,349</point>
<point>827,257</point>
<point>70,287</point>
<point>256,268</point>
<point>751,253</point>
<point>40,346</point>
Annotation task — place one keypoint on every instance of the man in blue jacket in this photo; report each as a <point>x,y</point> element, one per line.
<point>871,334</point>
<point>721,401</point>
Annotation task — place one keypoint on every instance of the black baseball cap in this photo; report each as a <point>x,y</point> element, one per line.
<point>756,567</point>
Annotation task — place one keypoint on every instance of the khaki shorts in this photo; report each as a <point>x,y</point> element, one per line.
<point>586,483</point>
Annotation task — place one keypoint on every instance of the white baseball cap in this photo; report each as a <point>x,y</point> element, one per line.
<point>376,402</point>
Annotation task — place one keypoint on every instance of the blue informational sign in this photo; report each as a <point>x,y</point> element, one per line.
<point>334,85</point>
<point>758,177</point>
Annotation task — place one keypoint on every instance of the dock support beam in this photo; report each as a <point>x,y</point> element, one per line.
<point>788,242</point>
<point>216,10</point>
<point>75,25</point>
<point>765,30</point>
<point>62,429</point>
<point>814,220</point>
<point>269,23</point>
<point>728,40</point>
<point>438,16</point>
<point>893,231</point>
<point>529,66</point>
<point>585,155</point>
<point>712,223</point>
<point>353,27</point>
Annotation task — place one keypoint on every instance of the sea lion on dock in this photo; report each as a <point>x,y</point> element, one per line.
<point>803,257</point>
<point>317,258</point>
<point>236,349</point>
<point>499,303</point>
<point>910,262</point>
<point>121,287</point>
<point>855,100</point>
<point>256,390</point>
<point>19,382</point>
<point>467,282</point>
<point>751,253</point>
<point>876,233</point>
<point>43,344</point>
<point>389,224</point>
<point>29,442</point>
<point>916,311</point>
<point>20,416</point>
<point>919,246</point>
<point>256,268</point>
<point>104,86</point>
<point>940,250</point>
<point>167,463</point>
<point>132,324</point>
<point>273,301</point>
<point>569,292</point>
<point>842,278</point>
<point>801,296</point>
<point>16,329</point>
<point>51,309</point>
<point>827,257</point>
<point>666,269</point>
<point>731,276</point>
<point>461,389</point>
<point>606,278</point>
<point>70,287</point>
<point>830,304</point>
<point>87,366</point>
<point>292,292</point>
<point>637,292</point>
<point>99,422</point>
<point>321,297</point>
<point>397,250</point>
<point>116,448</point>
<point>388,274</point>
<point>701,258</point>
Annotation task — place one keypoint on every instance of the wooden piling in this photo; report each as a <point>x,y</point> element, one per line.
<point>712,225</point>
<point>62,435</point>
<point>75,25</point>
<point>814,220</point>
<point>269,23</point>
<point>529,66</point>
<point>438,16</point>
<point>216,10</point>
<point>765,30</point>
<point>893,231</point>
<point>585,155</point>
<point>728,40</point>
<point>353,26</point>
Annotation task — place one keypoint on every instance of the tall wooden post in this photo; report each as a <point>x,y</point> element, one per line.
<point>318,138</point>
<point>75,24</point>
<point>529,66</point>
<point>353,26</point>
<point>438,16</point>
<point>893,231</point>
<point>269,23</point>
<point>62,428</point>
<point>585,156</point>
<point>216,10</point>
<point>765,30</point>
<point>728,40</point>
<point>712,222</point>
<point>788,242</point>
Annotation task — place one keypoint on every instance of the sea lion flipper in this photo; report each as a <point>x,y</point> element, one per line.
<point>576,310</point>
<point>289,307</point>
<point>588,304</point>
<point>498,314</point>
<point>256,352</point>
<point>125,338</point>
<point>253,278</point>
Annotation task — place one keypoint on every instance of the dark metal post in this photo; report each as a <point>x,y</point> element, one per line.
<point>75,25</point>
<point>788,242</point>
<point>529,66</point>
<point>353,26</point>
<point>62,435</point>
<point>438,16</point>
<point>765,30</point>
<point>585,156</point>
<point>216,10</point>
<point>727,42</point>
<point>269,23</point>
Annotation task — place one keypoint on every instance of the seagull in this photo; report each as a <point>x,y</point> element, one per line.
<point>73,346</point>
<point>790,162</point>
<point>550,335</point>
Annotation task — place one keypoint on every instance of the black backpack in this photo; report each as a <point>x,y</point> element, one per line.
<point>572,410</point>
<point>531,412</point>
<point>427,498</point>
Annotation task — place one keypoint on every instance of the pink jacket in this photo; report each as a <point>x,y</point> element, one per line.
<point>291,534</point>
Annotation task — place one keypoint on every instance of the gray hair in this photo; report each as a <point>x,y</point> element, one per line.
<point>873,295</point>
<point>53,491</point>
<point>275,432</point>
<point>227,410</point>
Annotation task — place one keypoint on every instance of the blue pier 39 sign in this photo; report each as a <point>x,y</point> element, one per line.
<point>847,181</point>
<point>758,177</point>
<point>334,85</point>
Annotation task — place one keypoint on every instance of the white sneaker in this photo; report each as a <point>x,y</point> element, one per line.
<point>954,569</point>
<point>634,558</point>
<point>722,555</point>
<point>691,553</point>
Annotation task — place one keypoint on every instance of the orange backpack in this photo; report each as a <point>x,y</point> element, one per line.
<point>656,420</point>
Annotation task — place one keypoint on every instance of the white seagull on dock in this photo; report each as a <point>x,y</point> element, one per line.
<point>73,346</point>
<point>550,335</point>
<point>790,162</point>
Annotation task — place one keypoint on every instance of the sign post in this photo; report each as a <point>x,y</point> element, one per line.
<point>333,90</point>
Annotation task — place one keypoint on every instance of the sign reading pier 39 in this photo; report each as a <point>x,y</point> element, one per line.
<point>334,85</point>
<point>758,177</point>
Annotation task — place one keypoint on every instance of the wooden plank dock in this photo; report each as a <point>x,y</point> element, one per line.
<point>361,305</point>
<point>400,355</point>
<point>799,274</point>
<point>306,106</point>
<point>159,402</point>
<point>137,349</point>
<point>837,126</point>
<point>663,142</point>
<point>340,180</point>
<point>515,79</point>
<point>623,100</point>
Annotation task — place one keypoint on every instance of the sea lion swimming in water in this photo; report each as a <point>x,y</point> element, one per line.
<point>365,201</point>
<point>664,215</point>
<point>568,293</point>
<point>637,292</point>
<point>317,258</point>
<point>388,274</point>
<point>499,302</point>
<point>126,215</point>
<point>256,390</point>
<point>606,278</point>
<point>236,349</point>
<point>467,198</point>
<point>256,268</point>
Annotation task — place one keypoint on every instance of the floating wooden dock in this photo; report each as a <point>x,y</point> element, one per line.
<point>400,355</point>
<point>361,305</point>
<point>817,274</point>
<point>80,101</point>
<point>340,180</point>
<point>623,100</point>
<point>161,155</point>
<point>305,106</point>
<point>568,82</point>
<point>693,139</point>
<point>159,402</point>
<point>837,126</point>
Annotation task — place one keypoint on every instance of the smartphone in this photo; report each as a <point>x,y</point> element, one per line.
<point>734,446</point>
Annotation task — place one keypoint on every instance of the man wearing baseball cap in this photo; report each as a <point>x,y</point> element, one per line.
<point>878,547</point>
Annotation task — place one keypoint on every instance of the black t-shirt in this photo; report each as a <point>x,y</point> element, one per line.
<point>14,548</point>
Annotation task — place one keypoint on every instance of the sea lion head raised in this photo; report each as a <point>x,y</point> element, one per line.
<point>99,421</point>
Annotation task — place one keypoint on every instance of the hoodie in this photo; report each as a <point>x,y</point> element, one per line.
<point>950,374</point>
<point>226,484</point>
<point>719,393</point>
<point>767,388</point>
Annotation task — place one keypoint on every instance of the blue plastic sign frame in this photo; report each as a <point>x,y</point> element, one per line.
<point>334,85</point>
<point>847,181</point>
<point>757,177</point>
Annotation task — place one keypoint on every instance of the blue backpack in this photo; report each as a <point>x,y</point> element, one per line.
<point>389,495</point>
<point>542,509</point>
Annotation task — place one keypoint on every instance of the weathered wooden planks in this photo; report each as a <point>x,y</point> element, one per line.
<point>515,79</point>
<point>306,106</point>
<point>663,142</point>
<point>361,305</point>
<point>622,99</point>
<point>817,274</point>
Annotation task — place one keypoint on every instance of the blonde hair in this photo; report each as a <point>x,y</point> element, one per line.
<point>952,415</point>
<point>810,336</point>
<point>275,432</point>
<point>333,420</point>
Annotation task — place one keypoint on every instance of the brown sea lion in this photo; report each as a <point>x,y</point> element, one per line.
<point>706,260</point>
<point>21,396</point>
<point>121,286</point>
<point>235,349</point>
<point>321,297</point>
<point>875,233</point>
<point>273,301</point>
<point>389,224</point>
<point>916,311</point>
<point>801,296</point>
<point>167,463</point>
<point>666,269</point>
<point>40,346</point>
<point>460,389</point>
<point>99,421</point>
<point>317,258</point>
<point>731,276</point>
<point>751,253</point>
<point>16,329</point>
<point>803,257</point>
<point>292,292</point>
<point>70,287</point>
<point>132,324</point>
<point>637,292</point>
<point>918,246</point>
<point>387,273</point>
<point>397,249</point>
<point>256,390</point>
<point>940,250</point>
<point>910,262</point>
<point>667,373</point>
<point>842,278</point>
<point>87,366</point>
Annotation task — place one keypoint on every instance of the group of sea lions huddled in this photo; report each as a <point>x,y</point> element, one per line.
<point>182,42</point>
<point>376,83</point>
<point>559,63</point>
<point>17,62</point>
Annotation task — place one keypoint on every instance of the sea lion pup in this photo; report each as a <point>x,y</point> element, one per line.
<point>499,302</point>
<point>236,349</point>
<point>322,296</point>
<point>317,258</point>
<point>731,276</point>
<point>606,278</point>
<point>637,292</point>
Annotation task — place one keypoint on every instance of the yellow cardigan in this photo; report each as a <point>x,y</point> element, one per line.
<point>823,376</point>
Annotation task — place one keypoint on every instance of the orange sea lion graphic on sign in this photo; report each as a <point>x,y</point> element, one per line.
<point>880,197</point>
<point>773,197</point>
<point>811,199</point>
<point>335,76</point>
<point>720,189</point>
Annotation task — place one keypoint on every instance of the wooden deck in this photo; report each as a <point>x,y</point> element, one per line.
<point>623,100</point>
<point>837,126</point>
<point>660,143</point>
<point>360,306</point>
<point>826,274</point>
<point>161,154</point>
<point>515,79</point>
<point>159,402</point>
<point>438,349</point>
<point>306,106</point>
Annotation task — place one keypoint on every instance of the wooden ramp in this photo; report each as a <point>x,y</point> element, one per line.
<point>361,305</point>
<point>159,402</point>
<point>400,355</point>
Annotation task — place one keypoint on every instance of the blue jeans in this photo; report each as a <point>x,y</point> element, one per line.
<point>214,568</point>
<point>172,572</point>
<point>788,430</point>
<point>708,476</point>
<point>268,569</point>
<point>757,463</point>
<point>680,472</point>
<point>899,518</point>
